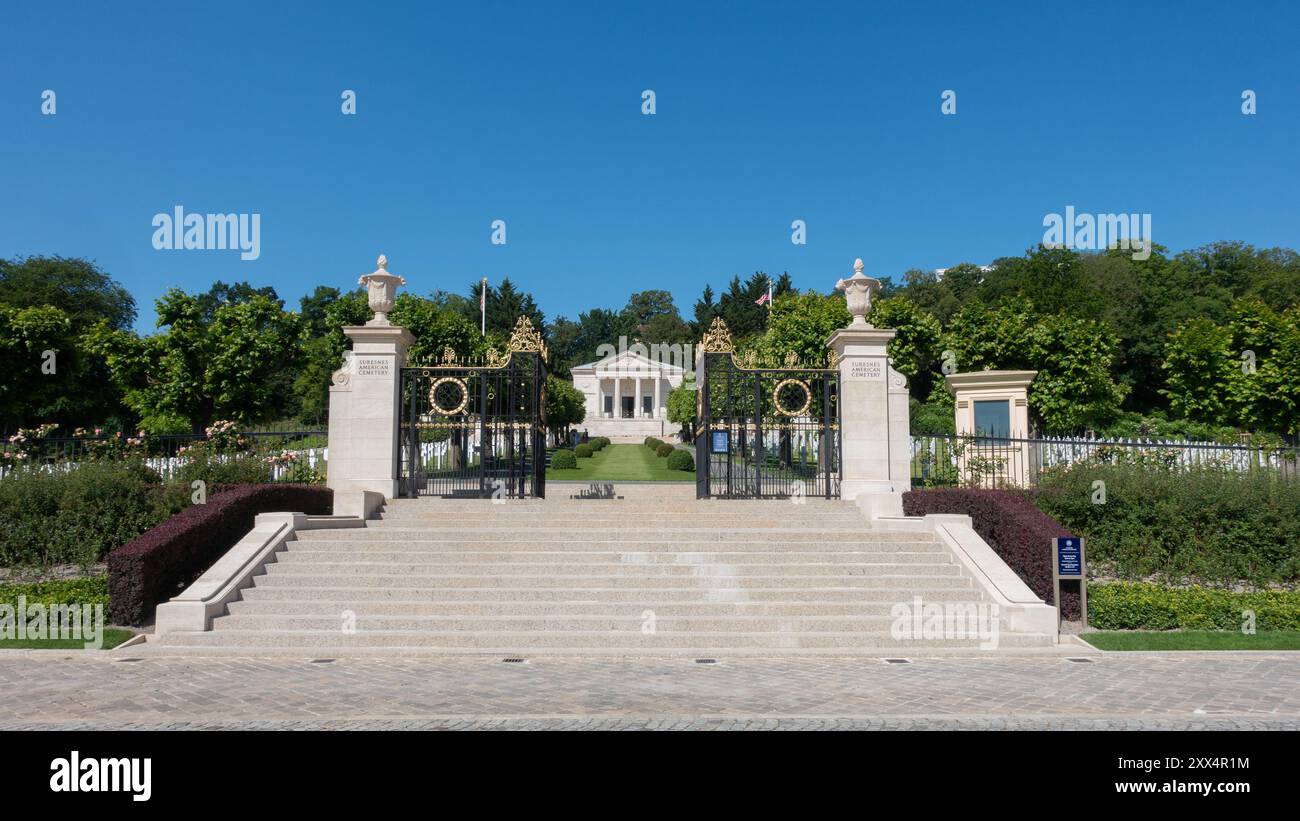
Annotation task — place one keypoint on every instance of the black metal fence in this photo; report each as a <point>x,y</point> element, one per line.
<point>983,461</point>
<point>474,430</point>
<point>766,432</point>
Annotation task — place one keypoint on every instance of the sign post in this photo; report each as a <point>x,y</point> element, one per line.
<point>1068,564</point>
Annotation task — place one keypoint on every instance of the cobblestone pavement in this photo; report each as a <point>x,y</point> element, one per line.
<point>1113,691</point>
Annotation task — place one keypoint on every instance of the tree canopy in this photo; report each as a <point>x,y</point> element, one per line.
<point>1205,340</point>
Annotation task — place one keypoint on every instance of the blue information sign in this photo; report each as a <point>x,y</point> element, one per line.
<point>1069,556</point>
<point>721,441</point>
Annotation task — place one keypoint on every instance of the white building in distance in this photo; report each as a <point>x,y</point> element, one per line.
<point>627,396</point>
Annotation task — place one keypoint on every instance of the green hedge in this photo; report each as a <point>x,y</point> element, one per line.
<point>79,516</point>
<point>1207,526</point>
<point>1142,606</point>
<point>653,443</point>
<point>583,451</point>
<point>599,442</point>
<point>664,450</point>
<point>564,460</point>
<point>681,460</point>
<point>61,591</point>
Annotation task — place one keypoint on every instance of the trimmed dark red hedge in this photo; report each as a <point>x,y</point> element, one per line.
<point>158,564</point>
<point>1016,530</point>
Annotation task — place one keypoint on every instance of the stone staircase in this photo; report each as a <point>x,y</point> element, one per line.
<point>660,574</point>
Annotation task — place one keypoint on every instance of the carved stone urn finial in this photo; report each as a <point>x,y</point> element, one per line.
<point>857,294</point>
<point>381,287</point>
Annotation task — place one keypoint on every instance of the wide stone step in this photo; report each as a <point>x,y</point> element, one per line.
<point>360,596</point>
<point>579,642</point>
<point>648,619</point>
<point>607,580</point>
<point>794,550</point>
<point>622,570</point>
<point>575,534</point>
<point>332,609</point>
<point>764,518</point>
<point>693,507</point>
<point>445,558</point>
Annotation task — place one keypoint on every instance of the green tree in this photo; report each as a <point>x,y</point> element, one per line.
<point>1267,394</point>
<point>914,350</point>
<point>1047,277</point>
<point>681,407</point>
<point>738,305</point>
<point>80,391</point>
<point>234,293</point>
<point>28,393</point>
<point>565,405</point>
<point>77,287</point>
<point>201,369</point>
<point>1201,371</point>
<point>563,345</point>
<point>435,329</point>
<point>705,310</point>
<point>505,304</point>
<point>930,293</point>
<point>323,355</point>
<point>312,308</point>
<point>652,317</point>
<point>800,324</point>
<point>983,338</point>
<point>1074,388</point>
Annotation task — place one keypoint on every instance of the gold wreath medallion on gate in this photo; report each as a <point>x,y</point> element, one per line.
<point>445,410</point>
<point>781,408</point>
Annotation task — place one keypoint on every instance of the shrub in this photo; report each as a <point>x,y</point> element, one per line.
<point>664,449</point>
<point>205,462</point>
<point>652,443</point>
<point>600,442</point>
<point>1206,525</point>
<point>156,565</point>
<point>79,515</point>
<point>1016,530</point>
<point>564,460</point>
<point>681,460</point>
<point>61,591</point>
<point>1126,606</point>
<point>583,451</point>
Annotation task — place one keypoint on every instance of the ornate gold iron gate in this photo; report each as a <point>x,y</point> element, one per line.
<point>764,432</point>
<point>477,429</point>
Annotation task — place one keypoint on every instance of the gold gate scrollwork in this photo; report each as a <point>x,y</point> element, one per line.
<point>440,408</point>
<point>781,408</point>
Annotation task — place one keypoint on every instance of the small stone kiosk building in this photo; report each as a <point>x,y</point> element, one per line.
<point>991,411</point>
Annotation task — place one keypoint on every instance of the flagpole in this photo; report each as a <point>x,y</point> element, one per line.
<point>482,307</point>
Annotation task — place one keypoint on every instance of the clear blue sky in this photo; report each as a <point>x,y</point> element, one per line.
<point>531,113</point>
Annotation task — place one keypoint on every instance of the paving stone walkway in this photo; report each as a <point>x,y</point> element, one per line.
<point>1114,691</point>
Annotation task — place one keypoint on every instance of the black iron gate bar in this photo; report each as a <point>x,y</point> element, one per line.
<point>764,432</point>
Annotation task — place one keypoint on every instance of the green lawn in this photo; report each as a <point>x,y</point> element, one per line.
<point>1193,640</point>
<point>113,636</point>
<point>622,463</point>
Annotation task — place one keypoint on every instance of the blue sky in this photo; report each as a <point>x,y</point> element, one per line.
<point>531,113</point>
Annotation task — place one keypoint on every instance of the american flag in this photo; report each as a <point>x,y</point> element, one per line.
<point>763,300</point>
